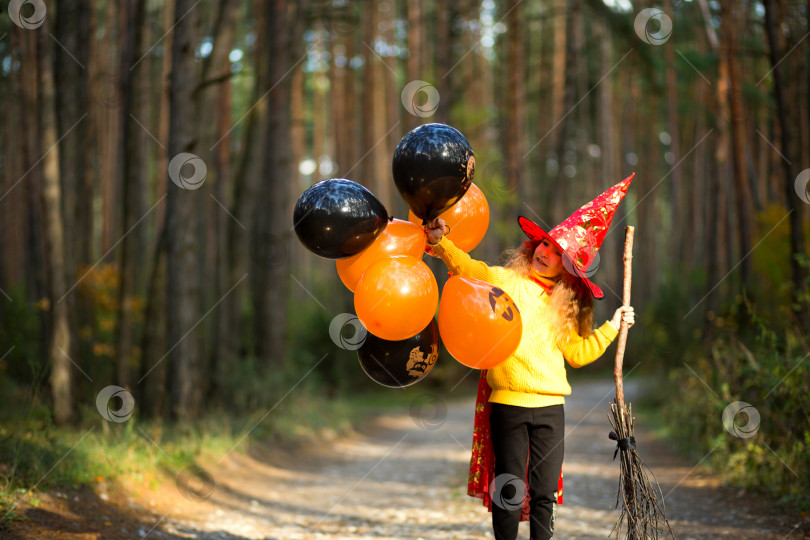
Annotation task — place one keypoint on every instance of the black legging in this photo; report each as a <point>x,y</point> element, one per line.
<point>518,433</point>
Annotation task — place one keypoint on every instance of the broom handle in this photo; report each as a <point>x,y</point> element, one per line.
<point>628,273</point>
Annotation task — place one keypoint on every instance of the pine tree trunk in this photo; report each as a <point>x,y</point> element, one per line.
<point>223,359</point>
<point>563,123</point>
<point>338,77</point>
<point>673,127</point>
<point>274,214</point>
<point>744,201</point>
<point>246,248</point>
<point>183,287</point>
<point>445,39</point>
<point>72,105</point>
<point>606,132</point>
<point>558,71</point>
<point>60,337</point>
<point>515,142</point>
<point>797,241</point>
<point>132,283</point>
<point>414,63</point>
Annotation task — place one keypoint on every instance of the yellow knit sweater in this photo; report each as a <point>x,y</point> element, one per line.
<point>534,376</point>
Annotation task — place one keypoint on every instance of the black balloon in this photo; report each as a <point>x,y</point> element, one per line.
<point>397,364</point>
<point>433,168</point>
<point>338,218</point>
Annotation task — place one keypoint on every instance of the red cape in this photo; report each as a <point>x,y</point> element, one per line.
<point>482,461</point>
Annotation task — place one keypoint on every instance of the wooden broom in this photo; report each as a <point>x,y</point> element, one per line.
<point>641,516</point>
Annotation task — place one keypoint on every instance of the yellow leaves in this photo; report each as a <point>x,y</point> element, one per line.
<point>99,289</point>
<point>107,324</point>
<point>100,285</point>
<point>103,349</point>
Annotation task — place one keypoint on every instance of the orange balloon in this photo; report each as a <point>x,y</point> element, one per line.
<point>479,323</point>
<point>396,297</point>
<point>399,238</point>
<point>467,220</point>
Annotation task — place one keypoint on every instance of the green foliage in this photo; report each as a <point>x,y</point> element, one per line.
<point>35,455</point>
<point>668,337</point>
<point>773,280</point>
<point>750,360</point>
<point>20,338</point>
<point>314,359</point>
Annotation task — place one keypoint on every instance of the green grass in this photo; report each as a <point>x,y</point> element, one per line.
<point>36,456</point>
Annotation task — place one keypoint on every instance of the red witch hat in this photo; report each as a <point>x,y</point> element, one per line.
<point>580,236</point>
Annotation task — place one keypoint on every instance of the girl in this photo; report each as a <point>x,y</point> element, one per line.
<point>546,278</point>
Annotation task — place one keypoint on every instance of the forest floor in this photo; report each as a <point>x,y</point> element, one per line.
<point>399,476</point>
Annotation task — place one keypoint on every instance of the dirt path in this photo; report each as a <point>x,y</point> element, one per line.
<point>405,477</point>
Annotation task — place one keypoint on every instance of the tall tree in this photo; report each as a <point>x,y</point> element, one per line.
<point>182,222</point>
<point>797,240</point>
<point>107,92</point>
<point>217,75</point>
<point>375,165</point>
<point>59,336</point>
<point>132,282</point>
<point>607,136</point>
<point>673,127</point>
<point>445,39</point>
<point>515,140</point>
<point>718,244</point>
<point>415,66</point>
<point>730,68</point>
<point>251,246</point>
<point>73,23</point>
<point>26,81</point>
<point>339,75</point>
<point>273,214</point>
<point>562,126</point>
<point>153,370</point>
<point>559,70</point>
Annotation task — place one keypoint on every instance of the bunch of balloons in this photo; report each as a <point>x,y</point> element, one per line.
<point>379,259</point>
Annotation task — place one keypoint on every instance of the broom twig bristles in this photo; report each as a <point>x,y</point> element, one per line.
<point>641,517</point>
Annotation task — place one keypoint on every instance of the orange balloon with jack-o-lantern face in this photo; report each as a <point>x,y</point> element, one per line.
<point>479,323</point>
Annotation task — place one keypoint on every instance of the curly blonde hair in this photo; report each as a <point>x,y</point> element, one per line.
<point>571,300</point>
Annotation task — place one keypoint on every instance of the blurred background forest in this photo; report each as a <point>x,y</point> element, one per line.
<point>202,300</point>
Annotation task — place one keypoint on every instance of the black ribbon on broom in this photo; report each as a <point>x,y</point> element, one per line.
<point>628,443</point>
